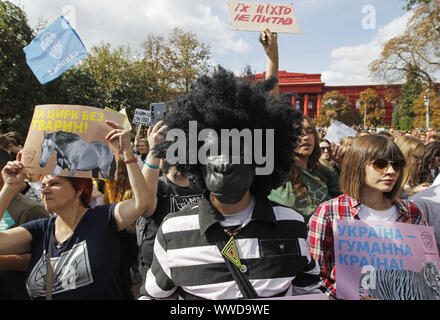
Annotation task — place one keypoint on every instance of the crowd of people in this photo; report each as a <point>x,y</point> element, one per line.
<point>212,230</point>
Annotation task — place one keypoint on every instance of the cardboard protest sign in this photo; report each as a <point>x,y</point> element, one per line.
<point>127,124</point>
<point>123,111</point>
<point>385,260</point>
<point>68,140</point>
<point>142,117</point>
<point>337,131</point>
<point>250,16</point>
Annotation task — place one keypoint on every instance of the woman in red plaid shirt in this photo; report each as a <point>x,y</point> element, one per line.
<point>371,180</point>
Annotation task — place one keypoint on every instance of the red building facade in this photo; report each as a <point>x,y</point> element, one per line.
<point>310,89</point>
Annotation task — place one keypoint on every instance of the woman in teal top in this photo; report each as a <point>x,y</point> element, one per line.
<point>309,183</point>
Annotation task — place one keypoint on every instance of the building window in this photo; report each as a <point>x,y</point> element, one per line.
<point>297,105</point>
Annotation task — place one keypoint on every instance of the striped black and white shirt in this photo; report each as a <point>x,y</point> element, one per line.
<point>273,245</point>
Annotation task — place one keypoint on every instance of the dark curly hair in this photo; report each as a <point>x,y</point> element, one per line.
<point>223,101</point>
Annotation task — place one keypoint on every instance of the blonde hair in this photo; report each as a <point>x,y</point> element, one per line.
<point>346,142</point>
<point>147,145</point>
<point>408,145</point>
<point>119,189</point>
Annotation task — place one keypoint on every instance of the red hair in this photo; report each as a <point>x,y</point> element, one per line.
<point>80,184</point>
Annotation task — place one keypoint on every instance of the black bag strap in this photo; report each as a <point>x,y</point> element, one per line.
<point>240,278</point>
<point>49,272</point>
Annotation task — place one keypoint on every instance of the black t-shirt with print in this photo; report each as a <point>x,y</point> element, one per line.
<point>85,266</point>
<point>170,198</point>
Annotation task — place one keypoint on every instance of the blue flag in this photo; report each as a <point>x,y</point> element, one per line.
<point>54,51</point>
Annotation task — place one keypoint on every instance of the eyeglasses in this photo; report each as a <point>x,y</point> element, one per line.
<point>381,164</point>
<point>326,148</point>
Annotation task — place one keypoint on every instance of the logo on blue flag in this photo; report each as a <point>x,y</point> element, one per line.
<point>54,51</point>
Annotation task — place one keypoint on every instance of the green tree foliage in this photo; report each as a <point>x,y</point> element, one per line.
<point>20,90</point>
<point>110,78</point>
<point>154,61</point>
<point>417,50</point>
<point>370,103</point>
<point>107,77</point>
<point>336,106</point>
<point>410,4</point>
<point>115,78</point>
<point>188,58</point>
<point>18,86</point>
<point>179,58</point>
<point>402,118</point>
<point>419,109</point>
<point>395,118</point>
<point>405,123</point>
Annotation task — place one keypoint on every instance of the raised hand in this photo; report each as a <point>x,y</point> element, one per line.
<point>119,137</point>
<point>13,175</point>
<point>156,134</point>
<point>269,41</point>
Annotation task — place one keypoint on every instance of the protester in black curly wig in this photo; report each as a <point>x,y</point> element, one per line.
<point>195,252</point>
<point>224,102</point>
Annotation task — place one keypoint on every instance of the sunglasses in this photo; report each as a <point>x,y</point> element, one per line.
<point>324,148</point>
<point>381,164</point>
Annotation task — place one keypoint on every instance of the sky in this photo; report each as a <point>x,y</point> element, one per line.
<point>338,39</point>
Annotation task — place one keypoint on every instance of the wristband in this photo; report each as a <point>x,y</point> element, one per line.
<point>151,166</point>
<point>130,160</point>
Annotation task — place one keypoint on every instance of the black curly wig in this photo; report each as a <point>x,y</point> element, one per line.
<point>223,101</point>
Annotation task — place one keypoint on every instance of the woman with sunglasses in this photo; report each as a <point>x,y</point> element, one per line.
<point>332,154</point>
<point>412,149</point>
<point>370,179</point>
<point>82,244</point>
<point>326,153</point>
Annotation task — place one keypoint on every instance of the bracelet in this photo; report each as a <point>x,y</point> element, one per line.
<point>130,160</point>
<point>151,166</point>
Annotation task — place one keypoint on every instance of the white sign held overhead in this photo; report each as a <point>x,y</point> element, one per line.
<point>338,131</point>
<point>142,116</point>
<point>251,16</point>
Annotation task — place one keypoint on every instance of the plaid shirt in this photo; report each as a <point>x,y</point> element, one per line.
<point>321,231</point>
